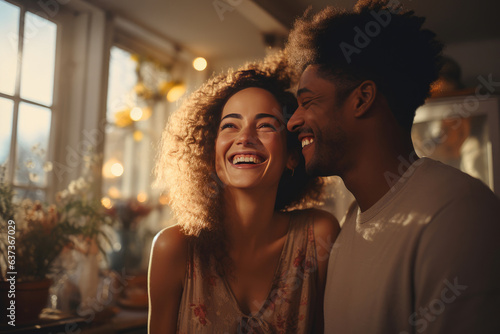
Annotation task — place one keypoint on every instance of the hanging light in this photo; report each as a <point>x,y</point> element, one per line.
<point>136,114</point>
<point>176,92</point>
<point>146,113</point>
<point>122,118</point>
<point>138,135</point>
<point>112,168</point>
<point>114,192</point>
<point>164,199</point>
<point>142,197</point>
<point>106,202</point>
<point>117,169</point>
<point>200,64</point>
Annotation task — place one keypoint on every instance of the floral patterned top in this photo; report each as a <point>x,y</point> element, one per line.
<point>209,306</point>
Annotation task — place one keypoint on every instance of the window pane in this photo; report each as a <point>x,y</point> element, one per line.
<point>37,73</point>
<point>9,36</point>
<point>122,79</point>
<point>32,144</point>
<point>33,194</point>
<point>6,109</point>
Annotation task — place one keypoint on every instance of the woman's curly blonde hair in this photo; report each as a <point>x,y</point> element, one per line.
<point>186,156</point>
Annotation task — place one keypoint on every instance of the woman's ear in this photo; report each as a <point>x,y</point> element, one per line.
<point>364,97</point>
<point>293,160</point>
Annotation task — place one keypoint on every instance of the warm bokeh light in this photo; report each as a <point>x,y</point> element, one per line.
<point>142,197</point>
<point>164,199</point>
<point>106,202</point>
<point>200,64</point>
<point>165,86</point>
<point>114,192</point>
<point>146,113</point>
<point>176,92</point>
<point>138,135</point>
<point>112,168</point>
<point>136,114</point>
<point>117,169</point>
<point>122,118</point>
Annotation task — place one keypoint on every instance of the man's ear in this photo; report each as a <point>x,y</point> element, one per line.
<point>364,96</point>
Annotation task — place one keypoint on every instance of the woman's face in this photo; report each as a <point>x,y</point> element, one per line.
<point>250,149</point>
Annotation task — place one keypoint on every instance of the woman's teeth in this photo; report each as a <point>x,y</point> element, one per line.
<point>307,141</point>
<point>246,159</point>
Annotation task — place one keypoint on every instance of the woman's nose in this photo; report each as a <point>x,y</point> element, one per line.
<point>247,136</point>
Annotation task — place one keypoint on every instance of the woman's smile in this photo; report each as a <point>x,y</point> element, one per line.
<point>247,160</point>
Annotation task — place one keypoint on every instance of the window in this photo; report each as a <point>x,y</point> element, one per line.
<point>27,67</point>
<point>140,95</point>
<point>137,109</point>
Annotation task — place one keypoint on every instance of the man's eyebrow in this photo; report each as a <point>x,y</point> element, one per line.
<point>238,116</point>
<point>303,90</point>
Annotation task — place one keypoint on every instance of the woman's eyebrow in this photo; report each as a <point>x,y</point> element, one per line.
<point>238,116</point>
<point>258,116</point>
<point>264,115</point>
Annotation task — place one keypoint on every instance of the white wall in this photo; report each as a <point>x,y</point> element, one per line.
<point>476,58</point>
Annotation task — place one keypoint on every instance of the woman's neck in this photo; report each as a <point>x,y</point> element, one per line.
<point>250,219</point>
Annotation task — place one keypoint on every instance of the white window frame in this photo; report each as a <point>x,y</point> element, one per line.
<point>26,7</point>
<point>80,80</point>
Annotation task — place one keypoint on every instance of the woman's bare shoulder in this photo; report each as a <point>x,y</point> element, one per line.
<point>324,221</point>
<point>325,225</point>
<point>321,219</point>
<point>170,238</point>
<point>167,268</point>
<point>170,251</point>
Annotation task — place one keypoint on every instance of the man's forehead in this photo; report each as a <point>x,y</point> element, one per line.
<point>309,74</point>
<point>310,80</point>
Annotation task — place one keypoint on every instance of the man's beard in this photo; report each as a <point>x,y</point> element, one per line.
<point>328,154</point>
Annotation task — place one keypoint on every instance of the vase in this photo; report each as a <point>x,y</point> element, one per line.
<point>87,271</point>
<point>30,298</point>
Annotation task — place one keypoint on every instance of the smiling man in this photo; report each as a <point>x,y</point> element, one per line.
<point>418,249</point>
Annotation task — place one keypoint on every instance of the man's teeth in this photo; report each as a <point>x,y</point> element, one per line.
<point>246,158</point>
<point>306,142</point>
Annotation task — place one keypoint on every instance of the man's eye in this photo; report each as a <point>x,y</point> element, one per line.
<point>305,103</point>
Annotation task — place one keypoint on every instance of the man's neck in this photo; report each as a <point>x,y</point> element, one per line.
<point>376,171</point>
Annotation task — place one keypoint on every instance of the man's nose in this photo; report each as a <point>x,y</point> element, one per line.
<point>295,122</point>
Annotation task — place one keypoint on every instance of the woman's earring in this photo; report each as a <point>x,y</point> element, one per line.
<point>292,170</point>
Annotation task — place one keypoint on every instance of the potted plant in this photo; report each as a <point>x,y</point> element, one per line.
<point>33,235</point>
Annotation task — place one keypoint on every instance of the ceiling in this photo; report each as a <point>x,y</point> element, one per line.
<point>234,30</point>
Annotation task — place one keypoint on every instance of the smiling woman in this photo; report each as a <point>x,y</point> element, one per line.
<point>236,180</point>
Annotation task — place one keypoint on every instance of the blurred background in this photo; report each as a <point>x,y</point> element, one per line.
<point>86,88</point>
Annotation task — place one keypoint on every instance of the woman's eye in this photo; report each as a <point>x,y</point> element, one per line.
<point>227,125</point>
<point>266,125</point>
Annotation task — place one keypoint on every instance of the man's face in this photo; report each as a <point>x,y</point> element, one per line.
<point>320,124</point>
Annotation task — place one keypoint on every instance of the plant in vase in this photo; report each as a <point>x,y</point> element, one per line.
<point>40,233</point>
<point>79,207</point>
